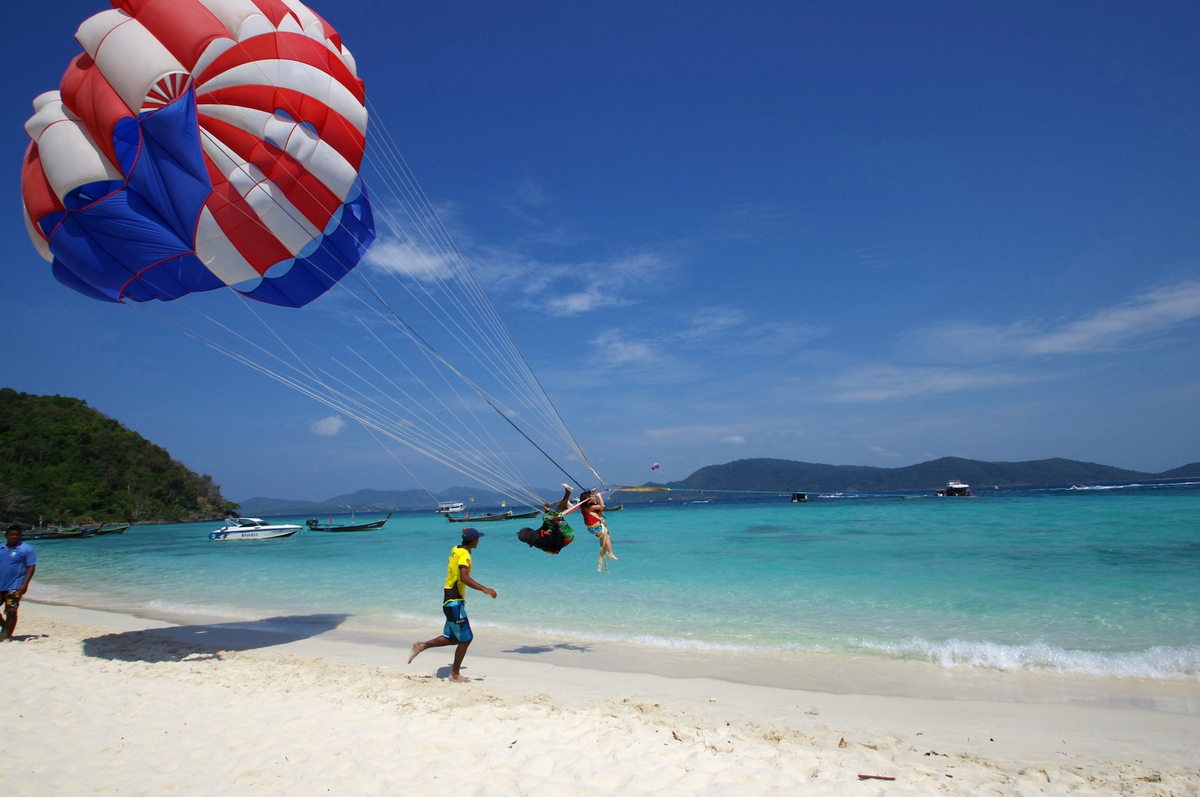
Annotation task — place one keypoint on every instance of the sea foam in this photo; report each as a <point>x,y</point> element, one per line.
<point>1162,663</point>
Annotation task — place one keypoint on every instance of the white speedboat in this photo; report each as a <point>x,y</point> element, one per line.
<point>956,488</point>
<point>445,507</point>
<point>251,528</point>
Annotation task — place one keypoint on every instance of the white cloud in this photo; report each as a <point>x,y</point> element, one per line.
<point>328,427</point>
<point>886,382</point>
<point>883,452</point>
<point>404,257</point>
<point>591,299</point>
<point>571,288</point>
<point>712,320</point>
<point>614,349</point>
<point>1149,312</point>
<point>733,438</point>
<point>1109,328</point>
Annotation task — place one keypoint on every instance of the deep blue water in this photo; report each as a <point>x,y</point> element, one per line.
<point>1098,581</point>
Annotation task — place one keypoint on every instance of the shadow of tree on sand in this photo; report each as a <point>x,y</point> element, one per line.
<point>195,642</point>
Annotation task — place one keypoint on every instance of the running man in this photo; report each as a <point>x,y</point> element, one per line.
<point>17,563</point>
<point>458,627</point>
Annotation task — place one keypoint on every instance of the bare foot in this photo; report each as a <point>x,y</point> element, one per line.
<point>458,679</point>
<point>417,648</point>
<point>568,488</point>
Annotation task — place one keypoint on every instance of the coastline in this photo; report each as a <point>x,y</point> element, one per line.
<point>613,701</point>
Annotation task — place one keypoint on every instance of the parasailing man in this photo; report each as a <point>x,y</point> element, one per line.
<point>555,533</point>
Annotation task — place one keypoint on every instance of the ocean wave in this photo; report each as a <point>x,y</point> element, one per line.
<point>1160,663</point>
<point>648,640</point>
<point>216,610</point>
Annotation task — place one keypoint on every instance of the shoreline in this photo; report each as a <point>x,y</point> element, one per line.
<point>113,702</point>
<point>763,684</point>
<point>831,672</point>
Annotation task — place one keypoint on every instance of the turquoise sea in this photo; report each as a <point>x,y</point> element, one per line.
<point>1102,581</point>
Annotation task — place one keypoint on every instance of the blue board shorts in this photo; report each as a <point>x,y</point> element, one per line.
<point>458,627</point>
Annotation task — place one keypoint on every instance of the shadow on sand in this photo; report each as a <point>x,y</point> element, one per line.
<point>530,650</point>
<point>176,643</point>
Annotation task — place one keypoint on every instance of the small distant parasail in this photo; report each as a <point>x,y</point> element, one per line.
<point>654,466</point>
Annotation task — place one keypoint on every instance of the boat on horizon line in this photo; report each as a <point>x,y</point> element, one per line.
<point>509,515</point>
<point>315,525</point>
<point>446,507</point>
<point>955,488</point>
<point>251,528</point>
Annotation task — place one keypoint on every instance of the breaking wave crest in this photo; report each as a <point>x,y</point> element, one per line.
<point>1161,663</point>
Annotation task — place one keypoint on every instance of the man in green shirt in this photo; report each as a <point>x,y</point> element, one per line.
<point>458,628</point>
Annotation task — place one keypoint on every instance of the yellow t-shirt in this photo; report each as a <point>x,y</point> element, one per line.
<point>458,556</point>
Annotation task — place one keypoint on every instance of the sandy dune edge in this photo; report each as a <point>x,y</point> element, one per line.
<point>101,710</point>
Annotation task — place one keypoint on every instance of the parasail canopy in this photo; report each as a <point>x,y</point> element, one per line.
<point>203,144</point>
<point>198,144</point>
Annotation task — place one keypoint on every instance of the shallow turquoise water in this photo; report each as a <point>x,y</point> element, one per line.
<point>1102,582</point>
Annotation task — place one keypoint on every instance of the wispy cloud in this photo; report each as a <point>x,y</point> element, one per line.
<point>613,348</point>
<point>328,427</point>
<point>882,382</point>
<point>733,438</point>
<point>573,288</point>
<point>406,258</point>
<point>1153,311</point>
<point>883,452</point>
<point>710,321</point>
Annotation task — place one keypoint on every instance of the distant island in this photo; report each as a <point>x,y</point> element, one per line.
<point>786,475</point>
<point>63,461</point>
<point>767,475</point>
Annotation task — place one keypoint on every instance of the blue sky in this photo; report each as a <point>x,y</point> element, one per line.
<point>847,233</point>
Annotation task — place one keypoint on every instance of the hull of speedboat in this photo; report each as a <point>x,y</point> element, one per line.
<point>226,535</point>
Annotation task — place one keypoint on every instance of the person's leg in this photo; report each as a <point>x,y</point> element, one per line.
<point>436,642</point>
<point>10,618</point>
<point>565,503</point>
<point>459,654</point>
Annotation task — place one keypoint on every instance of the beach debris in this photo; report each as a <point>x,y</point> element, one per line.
<point>842,742</point>
<point>712,700</point>
<point>813,711</point>
<point>876,777</point>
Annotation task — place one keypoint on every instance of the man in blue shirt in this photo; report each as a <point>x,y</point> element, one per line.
<point>17,563</point>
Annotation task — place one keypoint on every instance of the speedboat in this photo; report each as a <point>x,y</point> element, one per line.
<point>955,488</point>
<point>251,528</point>
<point>446,507</point>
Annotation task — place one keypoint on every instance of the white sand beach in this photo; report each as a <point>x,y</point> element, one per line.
<point>104,703</point>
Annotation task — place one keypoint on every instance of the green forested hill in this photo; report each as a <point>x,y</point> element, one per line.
<point>62,460</point>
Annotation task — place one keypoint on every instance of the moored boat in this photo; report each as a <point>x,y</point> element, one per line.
<point>315,525</point>
<point>955,488</point>
<point>509,515</point>
<point>251,528</point>
<point>446,507</point>
<point>72,533</point>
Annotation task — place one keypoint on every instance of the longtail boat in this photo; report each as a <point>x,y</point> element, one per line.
<point>488,518</point>
<point>315,525</point>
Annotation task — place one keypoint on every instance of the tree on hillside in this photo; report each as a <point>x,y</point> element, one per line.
<point>64,460</point>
